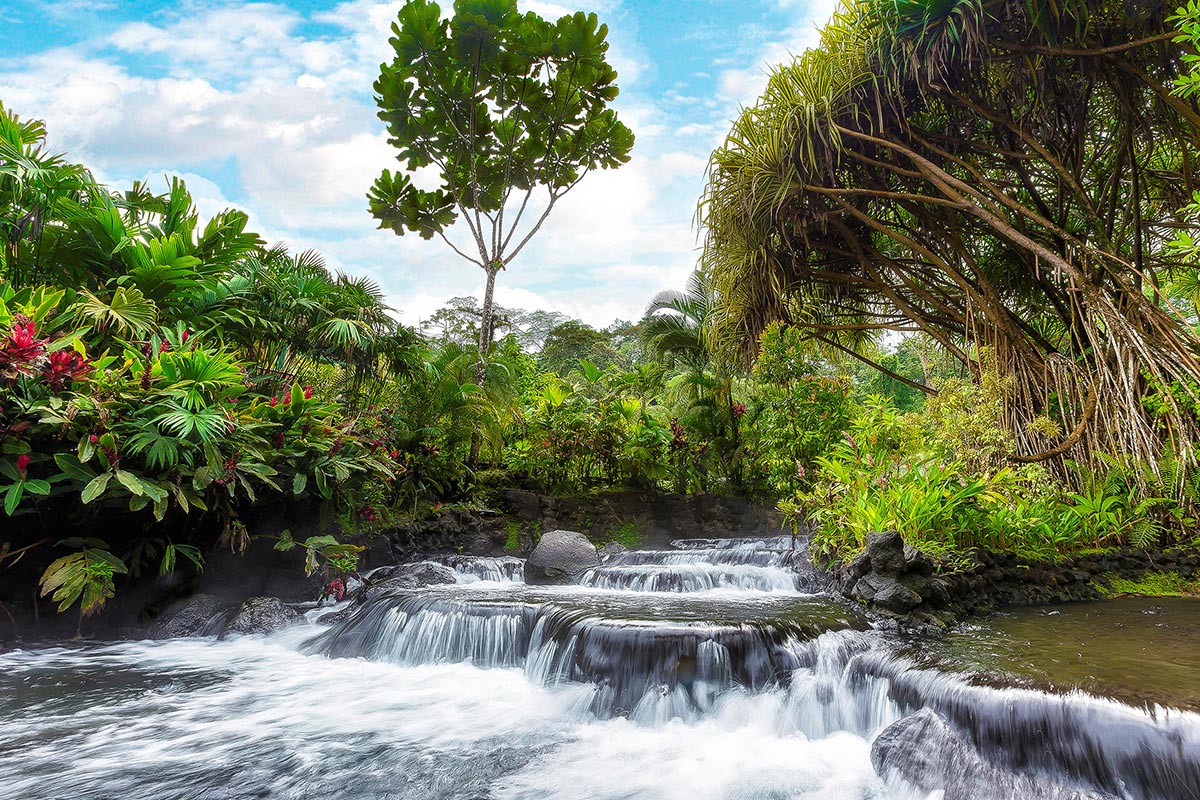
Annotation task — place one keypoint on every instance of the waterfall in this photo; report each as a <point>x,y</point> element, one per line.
<point>714,669</point>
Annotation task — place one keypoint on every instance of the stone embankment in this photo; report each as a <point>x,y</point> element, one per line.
<point>900,581</point>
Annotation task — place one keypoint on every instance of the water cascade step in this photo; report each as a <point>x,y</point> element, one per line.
<point>635,649</point>
<point>712,669</point>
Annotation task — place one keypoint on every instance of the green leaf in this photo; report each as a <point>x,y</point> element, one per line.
<point>12,497</point>
<point>14,447</point>
<point>37,486</point>
<point>131,482</point>
<point>299,483</point>
<point>95,487</point>
<point>73,467</point>
<point>318,542</point>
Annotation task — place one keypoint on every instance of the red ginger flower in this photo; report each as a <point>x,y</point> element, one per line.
<point>65,366</point>
<point>22,464</point>
<point>21,348</point>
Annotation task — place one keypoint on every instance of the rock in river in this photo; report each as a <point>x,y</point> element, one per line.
<point>261,615</point>
<point>559,557</point>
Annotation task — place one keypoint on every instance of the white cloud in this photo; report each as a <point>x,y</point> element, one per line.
<point>259,106</point>
<point>743,84</point>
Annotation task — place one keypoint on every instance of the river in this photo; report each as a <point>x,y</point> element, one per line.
<point>708,671</point>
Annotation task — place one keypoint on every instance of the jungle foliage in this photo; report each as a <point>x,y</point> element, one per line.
<point>1010,177</point>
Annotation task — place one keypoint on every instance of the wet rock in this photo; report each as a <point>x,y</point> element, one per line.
<point>885,549</point>
<point>260,615</point>
<point>917,562</point>
<point>612,549</point>
<point>559,557</point>
<point>405,576</point>
<point>924,752</point>
<point>897,598</point>
<point>198,615</point>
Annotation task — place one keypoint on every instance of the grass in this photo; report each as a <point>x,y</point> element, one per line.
<point>512,542</point>
<point>1154,584</point>
<point>627,534</point>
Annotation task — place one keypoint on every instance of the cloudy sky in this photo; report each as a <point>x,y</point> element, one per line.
<point>268,107</point>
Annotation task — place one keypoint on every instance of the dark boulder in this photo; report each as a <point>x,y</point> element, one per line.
<point>885,550</point>
<point>198,615</point>
<point>419,574</point>
<point>405,576</point>
<point>559,557</point>
<point>897,598</point>
<point>260,615</point>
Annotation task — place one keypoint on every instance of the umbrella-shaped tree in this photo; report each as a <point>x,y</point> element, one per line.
<point>510,110</point>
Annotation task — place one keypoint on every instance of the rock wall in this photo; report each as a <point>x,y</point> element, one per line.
<point>897,580</point>
<point>657,518</point>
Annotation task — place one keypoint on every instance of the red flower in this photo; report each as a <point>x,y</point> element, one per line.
<point>22,464</point>
<point>21,348</point>
<point>184,337</point>
<point>164,347</point>
<point>274,402</point>
<point>739,409</point>
<point>308,393</point>
<point>65,366</point>
<point>336,589</point>
<point>287,399</point>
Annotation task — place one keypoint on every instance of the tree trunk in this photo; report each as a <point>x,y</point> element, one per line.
<point>485,344</point>
<point>485,325</point>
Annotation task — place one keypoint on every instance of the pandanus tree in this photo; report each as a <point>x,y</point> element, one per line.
<point>509,110</point>
<point>1004,176</point>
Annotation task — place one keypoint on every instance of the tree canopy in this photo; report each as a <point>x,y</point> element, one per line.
<point>510,110</point>
<point>1004,176</point>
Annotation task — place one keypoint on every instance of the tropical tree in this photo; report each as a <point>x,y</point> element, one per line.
<point>509,109</point>
<point>1004,177</point>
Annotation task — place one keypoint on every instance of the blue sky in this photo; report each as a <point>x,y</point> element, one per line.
<point>267,107</point>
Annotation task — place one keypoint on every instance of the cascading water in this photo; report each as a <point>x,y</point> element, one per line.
<point>705,671</point>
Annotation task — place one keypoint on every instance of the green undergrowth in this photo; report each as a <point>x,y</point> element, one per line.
<point>1152,584</point>
<point>512,541</point>
<point>625,534</point>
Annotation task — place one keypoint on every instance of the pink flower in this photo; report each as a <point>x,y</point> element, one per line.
<point>184,337</point>
<point>22,464</point>
<point>164,347</point>
<point>335,589</point>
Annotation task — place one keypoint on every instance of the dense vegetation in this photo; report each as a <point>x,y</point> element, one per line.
<point>1011,204</point>
<point>1011,180</point>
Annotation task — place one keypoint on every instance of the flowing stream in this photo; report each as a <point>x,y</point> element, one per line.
<point>712,670</point>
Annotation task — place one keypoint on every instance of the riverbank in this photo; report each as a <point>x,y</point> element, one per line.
<point>899,582</point>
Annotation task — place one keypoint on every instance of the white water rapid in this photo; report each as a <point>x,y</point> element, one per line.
<point>703,672</point>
